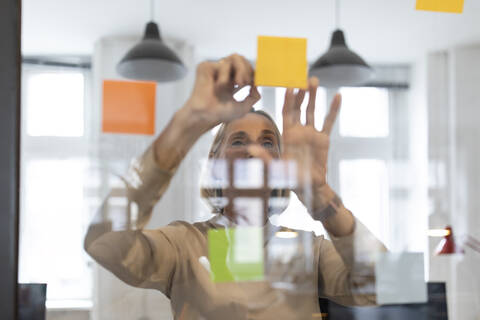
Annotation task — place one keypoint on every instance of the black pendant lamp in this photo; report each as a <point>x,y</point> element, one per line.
<point>151,59</point>
<point>340,66</point>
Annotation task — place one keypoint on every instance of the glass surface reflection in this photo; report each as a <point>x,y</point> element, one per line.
<point>238,265</point>
<point>292,209</point>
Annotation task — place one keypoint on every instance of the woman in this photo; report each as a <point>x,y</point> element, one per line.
<point>172,259</point>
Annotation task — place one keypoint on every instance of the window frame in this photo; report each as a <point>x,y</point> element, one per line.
<point>59,148</point>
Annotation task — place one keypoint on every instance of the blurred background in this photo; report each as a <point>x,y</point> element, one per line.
<point>405,152</point>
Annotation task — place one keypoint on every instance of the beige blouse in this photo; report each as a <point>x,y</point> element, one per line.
<point>169,259</point>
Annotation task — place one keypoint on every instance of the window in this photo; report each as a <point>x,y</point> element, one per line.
<point>361,156</point>
<point>364,113</point>
<point>52,231</point>
<point>369,161</point>
<point>364,187</point>
<point>56,185</point>
<point>55,104</point>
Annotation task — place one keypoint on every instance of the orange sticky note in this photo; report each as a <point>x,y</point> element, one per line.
<point>128,107</point>
<point>452,6</point>
<point>281,62</point>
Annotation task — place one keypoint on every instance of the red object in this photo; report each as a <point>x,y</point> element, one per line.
<point>448,245</point>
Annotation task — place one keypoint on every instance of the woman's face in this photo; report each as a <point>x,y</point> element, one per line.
<point>250,130</point>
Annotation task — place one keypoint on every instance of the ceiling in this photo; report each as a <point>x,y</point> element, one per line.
<point>382,31</point>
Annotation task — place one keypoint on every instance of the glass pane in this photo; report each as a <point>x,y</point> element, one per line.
<point>364,112</point>
<point>364,190</point>
<point>55,104</point>
<point>401,163</point>
<point>53,225</point>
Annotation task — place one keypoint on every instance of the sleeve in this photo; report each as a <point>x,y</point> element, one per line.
<point>116,239</point>
<point>144,259</point>
<point>346,267</point>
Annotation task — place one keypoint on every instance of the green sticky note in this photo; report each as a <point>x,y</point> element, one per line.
<point>236,254</point>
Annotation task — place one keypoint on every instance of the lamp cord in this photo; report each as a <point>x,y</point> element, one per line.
<point>152,10</point>
<point>337,14</point>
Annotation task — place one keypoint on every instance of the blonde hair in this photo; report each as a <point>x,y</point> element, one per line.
<point>215,193</point>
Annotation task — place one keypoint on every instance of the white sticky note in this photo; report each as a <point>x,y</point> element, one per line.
<point>282,174</point>
<point>248,173</point>
<point>215,174</point>
<point>248,245</point>
<point>400,278</point>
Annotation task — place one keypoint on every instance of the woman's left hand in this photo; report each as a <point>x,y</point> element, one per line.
<point>307,146</point>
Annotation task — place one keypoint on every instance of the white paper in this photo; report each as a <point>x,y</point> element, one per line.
<point>400,278</point>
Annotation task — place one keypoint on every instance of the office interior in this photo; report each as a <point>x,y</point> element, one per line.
<point>403,153</point>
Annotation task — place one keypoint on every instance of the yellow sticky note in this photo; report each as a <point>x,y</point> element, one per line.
<point>281,62</point>
<point>452,6</point>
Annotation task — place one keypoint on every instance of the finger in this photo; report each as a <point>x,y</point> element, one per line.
<point>312,92</point>
<point>289,101</point>
<point>299,97</point>
<point>332,114</point>
<point>224,77</point>
<point>249,76</point>
<point>206,70</point>
<point>252,98</point>
<point>241,70</point>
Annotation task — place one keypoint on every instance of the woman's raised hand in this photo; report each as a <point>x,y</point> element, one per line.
<point>302,142</point>
<point>212,102</point>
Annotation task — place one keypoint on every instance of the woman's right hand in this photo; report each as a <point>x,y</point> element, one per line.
<point>212,101</point>
<point>210,104</point>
